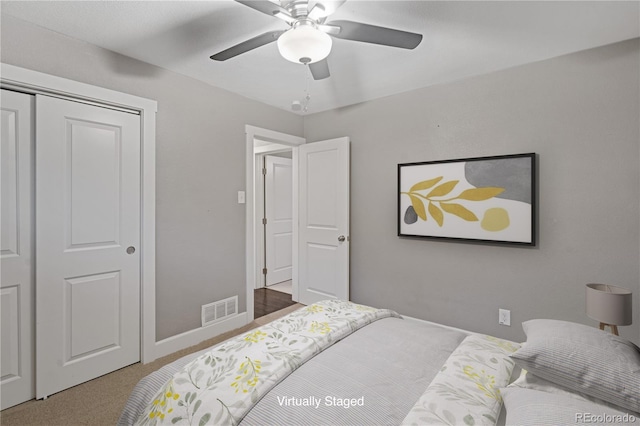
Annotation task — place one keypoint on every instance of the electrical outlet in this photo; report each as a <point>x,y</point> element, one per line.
<point>504,317</point>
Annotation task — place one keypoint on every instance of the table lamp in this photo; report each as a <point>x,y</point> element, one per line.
<point>610,305</point>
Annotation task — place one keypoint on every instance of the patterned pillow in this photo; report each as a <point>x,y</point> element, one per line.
<point>583,359</point>
<point>527,407</point>
<point>466,390</point>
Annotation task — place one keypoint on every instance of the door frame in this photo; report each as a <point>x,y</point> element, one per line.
<point>34,82</point>
<point>253,271</point>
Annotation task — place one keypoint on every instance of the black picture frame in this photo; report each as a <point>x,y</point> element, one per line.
<point>481,199</point>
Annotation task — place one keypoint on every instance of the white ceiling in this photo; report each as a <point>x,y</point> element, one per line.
<point>461,39</point>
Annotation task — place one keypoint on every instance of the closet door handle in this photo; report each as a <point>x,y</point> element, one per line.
<point>131,250</point>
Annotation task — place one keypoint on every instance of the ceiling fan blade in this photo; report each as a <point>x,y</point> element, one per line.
<point>329,29</point>
<point>324,8</point>
<point>317,12</point>
<point>377,35</point>
<point>320,70</point>
<point>268,8</point>
<point>245,46</point>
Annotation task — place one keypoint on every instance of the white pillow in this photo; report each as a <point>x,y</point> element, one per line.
<point>527,380</point>
<point>583,359</point>
<point>527,407</point>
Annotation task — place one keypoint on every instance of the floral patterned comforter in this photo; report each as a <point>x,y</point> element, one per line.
<point>466,391</point>
<point>223,384</point>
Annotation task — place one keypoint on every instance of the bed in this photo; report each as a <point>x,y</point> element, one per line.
<point>337,362</point>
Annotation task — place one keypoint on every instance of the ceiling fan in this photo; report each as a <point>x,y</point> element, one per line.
<point>308,38</point>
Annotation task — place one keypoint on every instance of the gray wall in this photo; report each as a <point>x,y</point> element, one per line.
<point>580,113</point>
<point>200,165</point>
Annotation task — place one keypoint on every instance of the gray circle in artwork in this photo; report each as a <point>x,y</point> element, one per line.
<point>410,216</point>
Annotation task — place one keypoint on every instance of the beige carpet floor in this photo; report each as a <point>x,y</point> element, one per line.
<point>100,401</point>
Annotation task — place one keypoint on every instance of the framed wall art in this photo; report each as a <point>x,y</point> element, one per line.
<point>489,199</point>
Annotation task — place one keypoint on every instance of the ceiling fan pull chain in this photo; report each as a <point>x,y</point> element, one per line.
<point>307,97</point>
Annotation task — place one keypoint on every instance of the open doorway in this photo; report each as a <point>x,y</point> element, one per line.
<point>274,199</point>
<point>320,180</point>
<point>271,236</point>
<point>277,222</point>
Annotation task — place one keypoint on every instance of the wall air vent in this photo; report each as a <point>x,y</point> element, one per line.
<point>217,311</point>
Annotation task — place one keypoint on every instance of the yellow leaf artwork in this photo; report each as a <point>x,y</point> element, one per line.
<point>495,219</point>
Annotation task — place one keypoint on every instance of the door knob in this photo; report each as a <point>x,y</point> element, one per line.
<point>131,250</point>
<point>341,238</point>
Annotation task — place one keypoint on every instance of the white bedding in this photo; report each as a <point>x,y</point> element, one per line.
<point>373,376</point>
<point>411,355</point>
<point>223,384</point>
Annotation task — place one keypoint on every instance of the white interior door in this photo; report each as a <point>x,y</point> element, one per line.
<point>16,294</point>
<point>87,242</point>
<point>323,221</point>
<point>279,219</point>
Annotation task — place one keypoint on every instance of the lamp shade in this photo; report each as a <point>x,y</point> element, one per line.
<point>304,44</point>
<point>609,304</point>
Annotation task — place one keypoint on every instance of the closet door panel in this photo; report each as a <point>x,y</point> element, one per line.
<point>16,254</point>
<point>93,184</point>
<point>88,222</point>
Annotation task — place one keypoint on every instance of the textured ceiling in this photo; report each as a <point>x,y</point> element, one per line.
<point>461,39</point>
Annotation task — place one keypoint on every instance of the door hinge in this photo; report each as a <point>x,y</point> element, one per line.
<point>264,271</point>
<point>264,171</point>
<point>264,220</point>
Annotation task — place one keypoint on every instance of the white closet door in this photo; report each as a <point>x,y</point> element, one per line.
<point>279,215</point>
<point>16,294</point>
<point>323,221</point>
<point>87,242</point>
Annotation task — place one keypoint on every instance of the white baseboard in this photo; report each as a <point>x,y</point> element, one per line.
<point>193,337</point>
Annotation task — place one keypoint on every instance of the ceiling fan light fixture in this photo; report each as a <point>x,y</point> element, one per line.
<point>304,44</point>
